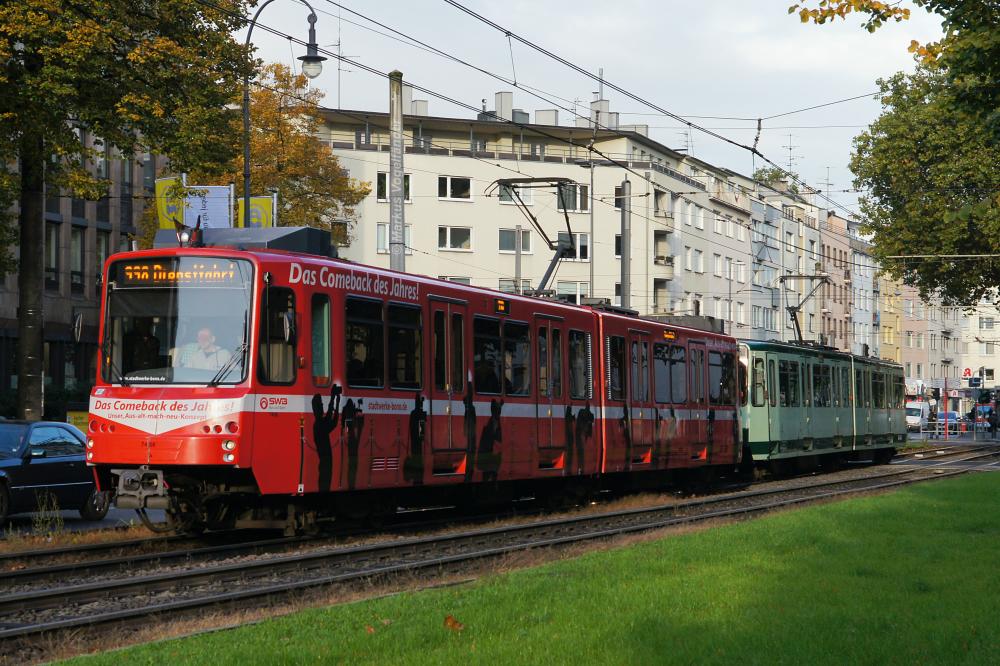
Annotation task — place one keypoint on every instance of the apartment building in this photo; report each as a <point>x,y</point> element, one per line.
<point>690,239</point>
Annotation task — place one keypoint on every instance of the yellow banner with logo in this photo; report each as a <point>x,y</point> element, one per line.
<point>261,212</point>
<point>169,202</point>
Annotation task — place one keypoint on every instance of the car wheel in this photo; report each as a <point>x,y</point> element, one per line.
<point>4,504</point>
<point>96,506</point>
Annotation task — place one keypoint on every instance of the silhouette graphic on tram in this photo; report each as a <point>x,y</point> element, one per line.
<point>413,468</point>
<point>488,460</point>
<point>353,418</point>
<point>323,426</point>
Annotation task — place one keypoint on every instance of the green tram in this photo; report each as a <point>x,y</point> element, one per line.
<point>805,405</point>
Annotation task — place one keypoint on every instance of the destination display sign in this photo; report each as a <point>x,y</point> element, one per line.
<point>173,272</point>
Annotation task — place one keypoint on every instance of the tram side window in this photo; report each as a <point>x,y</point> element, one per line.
<point>556,352</point>
<point>405,357</point>
<point>806,386</point>
<point>788,383</point>
<point>878,390</point>
<point>458,377</point>
<point>835,385</point>
<point>487,355</point>
<point>516,359</point>
<point>720,378</point>
<point>899,386</point>
<point>579,365</point>
<point>759,391</point>
<point>697,358</point>
<point>363,343</point>
<point>440,353</point>
<point>320,339</point>
<point>640,371</point>
<point>616,367</point>
<point>772,383</point>
<point>845,385</point>
<point>543,361</point>
<point>822,386</point>
<point>277,356</point>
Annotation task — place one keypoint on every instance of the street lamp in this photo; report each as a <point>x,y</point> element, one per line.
<point>312,66</point>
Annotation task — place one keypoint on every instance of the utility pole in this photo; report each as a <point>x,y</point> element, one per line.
<point>517,259</point>
<point>626,288</point>
<point>397,228</point>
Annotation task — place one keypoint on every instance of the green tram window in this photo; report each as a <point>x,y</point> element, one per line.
<point>806,390</point>
<point>845,384</point>
<point>772,383</point>
<point>759,392</point>
<point>878,390</point>
<point>822,386</point>
<point>788,383</point>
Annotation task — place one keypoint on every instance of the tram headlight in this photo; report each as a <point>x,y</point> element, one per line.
<point>185,237</point>
<point>90,443</point>
<point>229,457</point>
<point>228,445</point>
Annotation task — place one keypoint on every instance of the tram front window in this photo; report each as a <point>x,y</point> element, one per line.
<point>177,320</point>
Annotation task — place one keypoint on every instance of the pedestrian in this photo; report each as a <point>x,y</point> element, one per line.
<point>993,420</point>
<point>932,424</point>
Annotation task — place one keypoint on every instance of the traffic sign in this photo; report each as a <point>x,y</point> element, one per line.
<point>975,382</point>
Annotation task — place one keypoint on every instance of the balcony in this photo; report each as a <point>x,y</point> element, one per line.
<point>734,198</point>
<point>667,264</point>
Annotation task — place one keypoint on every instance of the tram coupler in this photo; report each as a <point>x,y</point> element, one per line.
<point>141,488</point>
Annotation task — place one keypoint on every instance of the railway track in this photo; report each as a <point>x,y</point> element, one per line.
<point>33,613</point>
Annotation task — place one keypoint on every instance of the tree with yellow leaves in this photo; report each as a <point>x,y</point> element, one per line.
<point>287,156</point>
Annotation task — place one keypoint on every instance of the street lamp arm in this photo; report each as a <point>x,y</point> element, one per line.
<point>312,57</point>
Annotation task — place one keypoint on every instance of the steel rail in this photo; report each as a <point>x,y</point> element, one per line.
<point>85,593</point>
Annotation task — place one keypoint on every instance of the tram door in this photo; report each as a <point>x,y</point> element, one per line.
<point>640,401</point>
<point>697,427</point>
<point>555,427</point>
<point>451,391</point>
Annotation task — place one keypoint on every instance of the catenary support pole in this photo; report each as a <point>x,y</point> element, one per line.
<point>397,233</point>
<point>626,204</point>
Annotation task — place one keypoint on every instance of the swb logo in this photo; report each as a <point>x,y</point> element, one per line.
<point>266,403</point>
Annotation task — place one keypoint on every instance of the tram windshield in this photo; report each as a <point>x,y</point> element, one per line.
<point>177,320</point>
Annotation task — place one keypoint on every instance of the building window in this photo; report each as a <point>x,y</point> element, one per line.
<point>581,246</point>
<point>985,323</point>
<point>574,198</point>
<point>523,193</point>
<point>508,240</point>
<point>717,225</point>
<point>454,188</point>
<point>688,259</point>
<point>52,256</point>
<point>382,238</point>
<point>572,292</point>
<point>618,246</point>
<point>77,260</point>
<point>699,261</point>
<point>456,278</point>
<point>103,248</point>
<point>699,221</point>
<point>382,187</point>
<point>125,199</point>
<point>507,285</point>
<point>717,265</point>
<point>455,238</point>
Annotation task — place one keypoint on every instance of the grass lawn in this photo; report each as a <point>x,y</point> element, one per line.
<point>908,577</point>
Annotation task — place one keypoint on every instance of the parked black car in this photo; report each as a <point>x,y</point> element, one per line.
<point>46,457</point>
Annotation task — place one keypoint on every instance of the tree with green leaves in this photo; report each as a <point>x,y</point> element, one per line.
<point>144,75</point>
<point>932,174</point>
<point>968,55</point>
<point>287,156</point>
<point>777,178</point>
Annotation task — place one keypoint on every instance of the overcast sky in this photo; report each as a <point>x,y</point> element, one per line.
<point>726,58</point>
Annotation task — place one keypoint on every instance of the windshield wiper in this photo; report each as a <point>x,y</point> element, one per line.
<point>228,365</point>
<point>106,352</point>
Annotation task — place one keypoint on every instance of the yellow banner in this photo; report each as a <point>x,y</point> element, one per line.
<point>260,212</point>
<point>78,418</point>
<point>169,206</point>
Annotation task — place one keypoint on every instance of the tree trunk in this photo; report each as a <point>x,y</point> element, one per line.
<point>30,281</point>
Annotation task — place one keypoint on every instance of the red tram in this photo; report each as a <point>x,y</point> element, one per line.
<point>263,387</point>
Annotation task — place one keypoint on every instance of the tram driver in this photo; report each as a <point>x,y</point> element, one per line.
<point>203,354</point>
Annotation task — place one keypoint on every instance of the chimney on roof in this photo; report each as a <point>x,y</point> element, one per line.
<point>547,117</point>
<point>520,116</point>
<point>638,129</point>
<point>504,105</point>
<point>407,97</point>
<point>418,107</point>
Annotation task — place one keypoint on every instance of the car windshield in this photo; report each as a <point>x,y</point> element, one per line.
<point>11,435</point>
<point>177,320</point>
<point>913,411</point>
